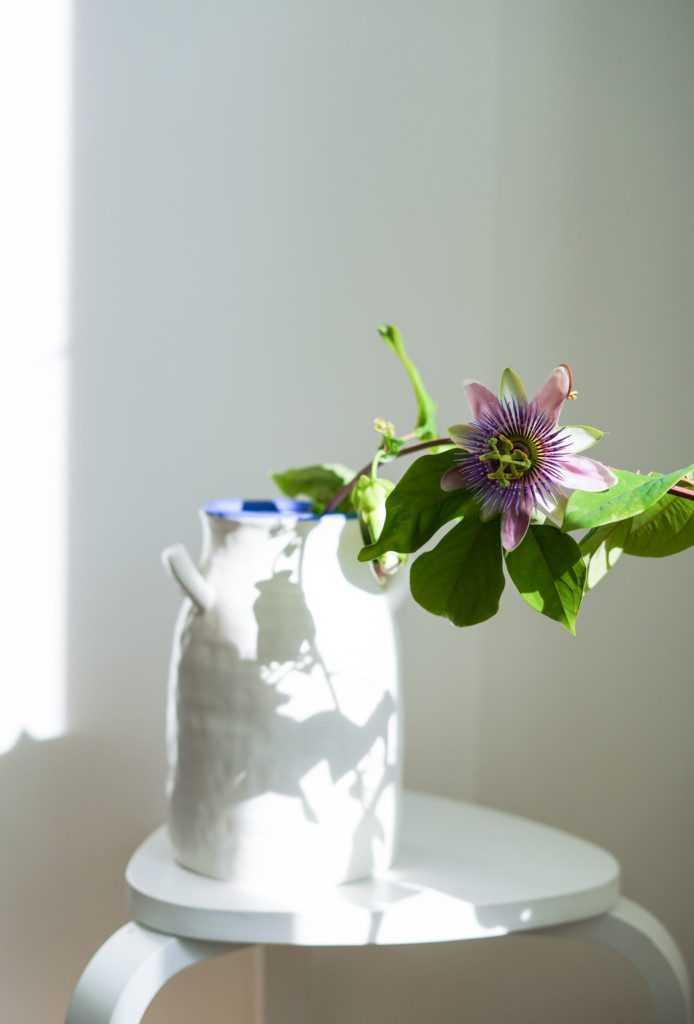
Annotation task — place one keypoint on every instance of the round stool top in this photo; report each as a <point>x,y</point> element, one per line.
<point>462,872</point>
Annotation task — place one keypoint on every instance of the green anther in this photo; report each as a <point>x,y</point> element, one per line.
<point>512,462</point>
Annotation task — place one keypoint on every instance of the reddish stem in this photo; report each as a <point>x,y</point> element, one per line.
<point>682,492</point>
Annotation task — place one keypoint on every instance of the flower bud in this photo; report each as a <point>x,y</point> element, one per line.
<point>369,500</point>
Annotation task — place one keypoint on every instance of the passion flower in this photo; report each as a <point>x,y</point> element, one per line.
<point>517,459</point>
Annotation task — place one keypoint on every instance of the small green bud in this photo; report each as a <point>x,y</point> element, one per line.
<point>369,500</point>
<point>384,427</point>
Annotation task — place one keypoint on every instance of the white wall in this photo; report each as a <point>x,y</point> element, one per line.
<point>255,187</point>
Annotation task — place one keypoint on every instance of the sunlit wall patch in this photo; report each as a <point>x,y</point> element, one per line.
<point>35,112</point>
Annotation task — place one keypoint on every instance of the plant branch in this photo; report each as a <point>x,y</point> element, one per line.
<point>682,492</point>
<point>406,450</point>
<point>410,449</point>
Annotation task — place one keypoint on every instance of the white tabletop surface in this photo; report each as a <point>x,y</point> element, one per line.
<point>462,872</point>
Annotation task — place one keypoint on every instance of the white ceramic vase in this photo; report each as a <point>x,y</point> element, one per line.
<point>283,723</point>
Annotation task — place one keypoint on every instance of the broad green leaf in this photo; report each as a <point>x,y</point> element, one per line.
<point>666,528</point>
<point>602,548</point>
<point>417,507</point>
<point>548,571</point>
<point>631,495</point>
<point>319,484</point>
<point>462,577</point>
<point>425,427</point>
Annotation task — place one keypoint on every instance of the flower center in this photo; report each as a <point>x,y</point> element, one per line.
<point>513,459</point>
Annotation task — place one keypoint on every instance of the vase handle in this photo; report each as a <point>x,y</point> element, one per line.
<point>188,577</point>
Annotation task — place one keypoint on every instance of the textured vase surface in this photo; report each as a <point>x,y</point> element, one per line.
<point>283,717</point>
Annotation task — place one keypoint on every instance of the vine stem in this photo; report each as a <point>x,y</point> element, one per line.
<point>406,450</point>
<point>682,492</point>
<point>410,449</point>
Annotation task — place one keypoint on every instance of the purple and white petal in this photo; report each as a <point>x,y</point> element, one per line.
<point>553,392</point>
<point>512,387</point>
<point>514,526</point>
<point>489,510</point>
<point>547,502</point>
<point>519,459</point>
<point>453,479</point>
<point>462,433</point>
<point>584,474</point>
<point>481,399</point>
<point>581,438</point>
<point>556,513</point>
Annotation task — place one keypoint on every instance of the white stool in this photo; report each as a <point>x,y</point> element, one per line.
<point>463,872</point>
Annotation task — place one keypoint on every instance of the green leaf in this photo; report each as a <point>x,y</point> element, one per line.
<point>602,548</point>
<point>631,495</point>
<point>664,529</point>
<point>417,507</point>
<point>319,484</point>
<point>462,578</point>
<point>548,571</point>
<point>425,428</point>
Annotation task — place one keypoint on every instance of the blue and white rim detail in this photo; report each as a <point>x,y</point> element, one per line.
<point>238,508</point>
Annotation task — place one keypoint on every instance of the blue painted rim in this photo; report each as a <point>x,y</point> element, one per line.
<point>238,508</point>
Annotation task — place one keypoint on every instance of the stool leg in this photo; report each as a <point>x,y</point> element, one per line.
<point>123,977</point>
<point>641,939</point>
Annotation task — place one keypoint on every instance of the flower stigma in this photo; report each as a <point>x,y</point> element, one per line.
<point>512,461</point>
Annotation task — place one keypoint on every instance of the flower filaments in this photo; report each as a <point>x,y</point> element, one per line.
<point>517,458</point>
<point>516,454</point>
